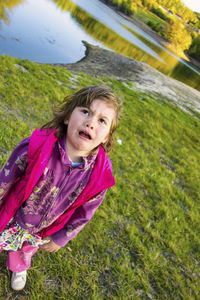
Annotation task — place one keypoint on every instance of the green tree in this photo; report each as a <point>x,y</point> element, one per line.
<point>175,33</point>
<point>148,4</point>
<point>129,6</point>
<point>194,49</point>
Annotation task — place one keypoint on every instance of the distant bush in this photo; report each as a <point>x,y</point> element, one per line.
<point>147,3</point>
<point>194,49</point>
<point>128,7</point>
<point>193,33</point>
<point>155,26</point>
<point>160,14</point>
<point>175,33</point>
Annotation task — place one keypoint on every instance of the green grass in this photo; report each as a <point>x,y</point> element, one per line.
<point>146,16</point>
<point>143,241</point>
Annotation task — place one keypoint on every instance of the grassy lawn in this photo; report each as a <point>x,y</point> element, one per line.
<point>143,241</point>
<point>146,16</point>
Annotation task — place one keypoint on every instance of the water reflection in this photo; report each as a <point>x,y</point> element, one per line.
<point>102,33</point>
<point>55,37</point>
<point>5,7</point>
<point>173,68</point>
<point>94,10</point>
<point>43,37</point>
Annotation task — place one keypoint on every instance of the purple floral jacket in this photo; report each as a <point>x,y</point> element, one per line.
<point>57,189</point>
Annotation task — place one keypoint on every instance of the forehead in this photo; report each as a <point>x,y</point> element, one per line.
<point>103,109</point>
<point>101,105</point>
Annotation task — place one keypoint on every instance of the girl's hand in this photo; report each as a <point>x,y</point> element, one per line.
<point>50,246</point>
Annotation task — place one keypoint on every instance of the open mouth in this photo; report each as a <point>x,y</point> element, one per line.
<point>85,135</point>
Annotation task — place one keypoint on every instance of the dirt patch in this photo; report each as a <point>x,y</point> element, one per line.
<point>101,62</point>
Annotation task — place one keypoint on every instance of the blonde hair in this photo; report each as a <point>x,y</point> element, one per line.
<point>85,97</point>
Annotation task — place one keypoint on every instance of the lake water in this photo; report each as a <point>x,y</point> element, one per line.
<point>51,31</point>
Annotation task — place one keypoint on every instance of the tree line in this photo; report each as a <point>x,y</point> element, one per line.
<point>181,26</point>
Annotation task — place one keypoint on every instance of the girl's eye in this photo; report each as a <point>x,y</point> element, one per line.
<point>102,121</point>
<point>85,111</point>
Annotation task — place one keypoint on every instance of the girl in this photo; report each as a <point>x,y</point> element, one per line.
<point>54,180</point>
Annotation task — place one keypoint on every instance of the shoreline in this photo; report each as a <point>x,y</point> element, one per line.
<point>101,62</point>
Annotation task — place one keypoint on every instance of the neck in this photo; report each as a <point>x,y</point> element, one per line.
<point>75,156</point>
<point>75,159</point>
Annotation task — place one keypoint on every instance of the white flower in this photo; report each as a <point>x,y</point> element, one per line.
<point>119,142</point>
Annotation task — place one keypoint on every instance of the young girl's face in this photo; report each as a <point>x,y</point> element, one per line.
<point>88,128</point>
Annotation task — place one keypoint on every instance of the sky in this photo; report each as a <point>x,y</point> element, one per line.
<point>192,4</point>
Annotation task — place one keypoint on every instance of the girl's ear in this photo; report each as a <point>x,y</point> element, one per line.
<point>66,122</point>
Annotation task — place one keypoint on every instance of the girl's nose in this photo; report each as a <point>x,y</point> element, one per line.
<point>90,123</point>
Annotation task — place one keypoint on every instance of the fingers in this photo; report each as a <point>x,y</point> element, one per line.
<point>46,247</point>
<point>50,247</point>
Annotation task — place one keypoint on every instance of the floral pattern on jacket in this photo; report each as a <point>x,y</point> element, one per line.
<point>15,167</point>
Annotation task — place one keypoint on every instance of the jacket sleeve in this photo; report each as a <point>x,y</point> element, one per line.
<point>14,167</point>
<point>79,219</point>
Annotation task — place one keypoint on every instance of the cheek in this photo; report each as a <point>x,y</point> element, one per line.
<point>106,136</point>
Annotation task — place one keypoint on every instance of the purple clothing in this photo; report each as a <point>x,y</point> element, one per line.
<point>56,190</point>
